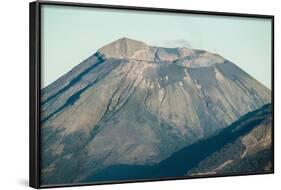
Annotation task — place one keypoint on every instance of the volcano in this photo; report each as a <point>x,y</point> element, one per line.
<point>134,104</point>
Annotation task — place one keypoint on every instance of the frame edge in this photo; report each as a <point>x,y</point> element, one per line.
<point>34,178</point>
<point>155,9</point>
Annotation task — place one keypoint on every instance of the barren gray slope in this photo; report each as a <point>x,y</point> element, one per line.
<point>131,103</point>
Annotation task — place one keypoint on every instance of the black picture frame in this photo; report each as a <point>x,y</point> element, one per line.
<point>35,82</point>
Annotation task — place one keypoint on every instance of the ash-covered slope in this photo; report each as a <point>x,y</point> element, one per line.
<point>135,104</point>
<point>244,147</point>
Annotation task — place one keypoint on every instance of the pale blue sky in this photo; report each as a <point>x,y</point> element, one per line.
<point>71,34</point>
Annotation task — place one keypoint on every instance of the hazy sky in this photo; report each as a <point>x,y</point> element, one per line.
<point>71,34</point>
